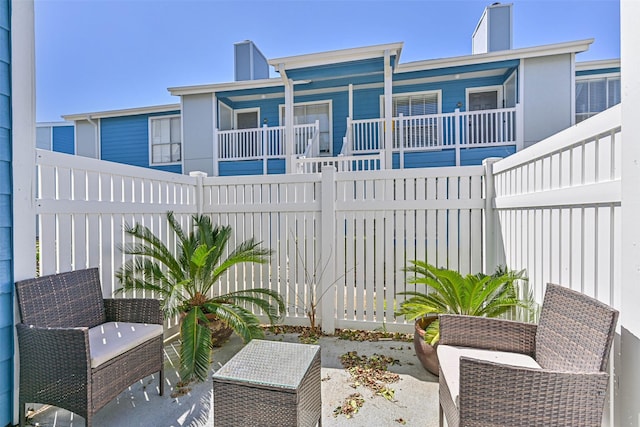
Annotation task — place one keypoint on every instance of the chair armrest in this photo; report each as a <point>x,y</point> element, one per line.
<point>488,333</point>
<point>53,362</point>
<point>134,310</point>
<point>526,396</point>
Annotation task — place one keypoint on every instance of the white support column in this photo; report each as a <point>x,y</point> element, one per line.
<point>216,160</point>
<point>351,100</point>
<point>388,113</point>
<point>627,369</point>
<point>457,138</point>
<point>326,295</point>
<point>23,135</point>
<point>290,153</point>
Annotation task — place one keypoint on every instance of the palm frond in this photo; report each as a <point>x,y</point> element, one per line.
<point>195,350</point>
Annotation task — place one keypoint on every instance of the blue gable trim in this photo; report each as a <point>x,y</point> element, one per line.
<point>63,139</point>
<point>6,222</point>
<point>126,140</point>
<point>595,73</point>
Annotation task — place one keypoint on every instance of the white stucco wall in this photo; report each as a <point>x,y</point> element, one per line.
<point>87,139</point>
<point>197,137</point>
<point>548,96</point>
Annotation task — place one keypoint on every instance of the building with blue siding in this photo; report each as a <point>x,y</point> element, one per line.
<point>361,103</point>
<point>147,137</point>
<point>6,220</point>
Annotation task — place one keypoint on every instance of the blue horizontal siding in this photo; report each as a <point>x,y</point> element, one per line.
<point>63,140</point>
<point>126,139</point>
<point>475,156</point>
<point>168,168</point>
<point>343,69</point>
<point>447,157</point>
<point>450,71</point>
<point>426,159</point>
<point>6,221</point>
<point>251,167</point>
<point>276,166</point>
<point>244,167</point>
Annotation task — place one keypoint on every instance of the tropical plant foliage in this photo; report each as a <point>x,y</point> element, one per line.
<point>448,292</point>
<point>186,285</point>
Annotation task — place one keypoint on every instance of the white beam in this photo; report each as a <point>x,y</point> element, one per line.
<point>388,113</point>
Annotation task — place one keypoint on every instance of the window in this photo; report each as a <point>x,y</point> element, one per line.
<point>309,113</point>
<point>596,95</point>
<point>416,130</point>
<point>415,105</point>
<point>165,138</point>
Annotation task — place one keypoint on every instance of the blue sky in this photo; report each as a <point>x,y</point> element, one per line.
<point>97,55</point>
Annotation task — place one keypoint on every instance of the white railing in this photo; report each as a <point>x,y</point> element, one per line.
<point>261,143</point>
<point>434,132</point>
<point>367,162</point>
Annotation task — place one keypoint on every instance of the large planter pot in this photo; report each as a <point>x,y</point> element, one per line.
<point>426,353</point>
<point>220,331</point>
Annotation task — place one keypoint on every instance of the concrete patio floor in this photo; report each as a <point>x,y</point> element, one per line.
<point>415,401</point>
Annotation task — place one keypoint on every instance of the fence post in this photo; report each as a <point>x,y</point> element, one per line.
<point>327,293</point>
<point>493,247</point>
<point>199,176</point>
<point>457,138</point>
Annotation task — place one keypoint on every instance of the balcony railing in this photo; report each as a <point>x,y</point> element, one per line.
<point>434,131</point>
<point>264,142</point>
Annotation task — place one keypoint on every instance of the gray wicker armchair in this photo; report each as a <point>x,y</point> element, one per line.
<point>78,351</point>
<point>502,373</point>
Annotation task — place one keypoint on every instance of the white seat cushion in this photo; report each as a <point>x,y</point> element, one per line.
<point>111,339</point>
<point>449,358</point>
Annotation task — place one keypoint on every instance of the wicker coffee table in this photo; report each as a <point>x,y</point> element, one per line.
<point>269,383</point>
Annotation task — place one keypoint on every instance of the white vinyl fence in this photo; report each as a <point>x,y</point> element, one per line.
<point>344,237</point>
<point>559,208</point>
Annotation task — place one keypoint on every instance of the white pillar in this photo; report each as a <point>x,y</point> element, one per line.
<point>290,153</point>
<point>216,160</point>
<point>23,129</point>
<point>351,100</point>
<point>627,377</point>
<point>388,113</point>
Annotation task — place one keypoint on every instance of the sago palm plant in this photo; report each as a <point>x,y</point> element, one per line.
<point>448,292</point>
<point>185,284</point>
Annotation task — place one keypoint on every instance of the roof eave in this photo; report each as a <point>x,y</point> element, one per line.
<point>598,64</point>
<point>221,87</point>
<point>503,55</point>
<point>123,112</point>
<point>335,56</point>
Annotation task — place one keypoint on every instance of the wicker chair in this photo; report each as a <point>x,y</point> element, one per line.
<point>497,372</point>
<point>78,351</point>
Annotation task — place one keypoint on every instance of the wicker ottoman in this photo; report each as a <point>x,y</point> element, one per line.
<point>269,383</point>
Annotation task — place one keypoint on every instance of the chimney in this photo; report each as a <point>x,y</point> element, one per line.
<point>494,31</point>
<point>250,63</point>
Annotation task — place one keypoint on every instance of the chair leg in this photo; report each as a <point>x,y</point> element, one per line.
<point>441,416</point>
<point>21,414</point>
<point>162,380</point>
